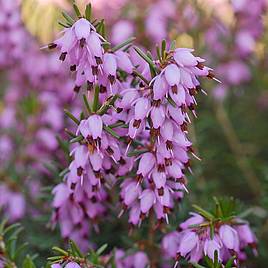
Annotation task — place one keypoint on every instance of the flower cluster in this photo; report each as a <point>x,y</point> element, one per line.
<point>196,240</point>
<point>82,47</point>
<point>157,114</point>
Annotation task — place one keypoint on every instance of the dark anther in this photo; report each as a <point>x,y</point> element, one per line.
<point>103,89</point>
<point>183,126</point>
<point>136,123</point>
<point>98,60</point>
<point>161,191</point>
<point>63,56</point>
<point>79,171</point>
<point>161,168</point>
<point>174,89</point>
<point>76,89</point>
<point>111,79</point>
<point>200,65</point>
<point>82,42</point>
<point>192,91</point>
<point>52,46</point>
<point>122,161</point>
<point>168,161</point>
<point>89,86</point>
<point>73,68</point>
<point>94,70</point>
<point>169,145</point>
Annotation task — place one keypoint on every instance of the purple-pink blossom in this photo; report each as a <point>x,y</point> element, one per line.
<point>194,240</point>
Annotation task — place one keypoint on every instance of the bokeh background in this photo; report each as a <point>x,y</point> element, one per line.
<point>230,134</point>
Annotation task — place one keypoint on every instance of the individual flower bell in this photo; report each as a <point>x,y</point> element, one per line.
<point>123,61</point>
<point>110,66</point>
<point>172,75</point>
<point>147,200</point>
<point>185,58</point>
<point>170,244</point>
<point>212,246</point>
<point>229,237</point>
<point>188,243</point>
<point>81,47</point>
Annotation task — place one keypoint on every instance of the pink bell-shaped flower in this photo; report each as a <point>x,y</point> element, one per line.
<point>172,74</point>
<point>184,57</point>
<point>147,199</point>
<point>95,126</point>
<point>82,29</point>
<point>187,243</point>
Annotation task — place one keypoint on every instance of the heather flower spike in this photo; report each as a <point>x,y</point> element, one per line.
<point>88,54</point>
<point>158,114</point>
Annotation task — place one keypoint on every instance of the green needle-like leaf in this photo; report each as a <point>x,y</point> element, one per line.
<point>137,152</point>
<point>77,11</point>
<point>86,103</point>
<point>71,116</point>
<point>75,250</point>
<point>203,212</point>
<point>111,132</point>
<point>68,18</point>
<point>101,249</point>
<point>88,12</point>
<point>123,44</point>
<point>145,57</point>
<point>77,139</point>
<point>61,251</point>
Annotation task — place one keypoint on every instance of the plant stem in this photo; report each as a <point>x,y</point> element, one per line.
<point>109,102</point>
<point>135,72</point>
<point>86,104</point>
<point>237,149</point>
